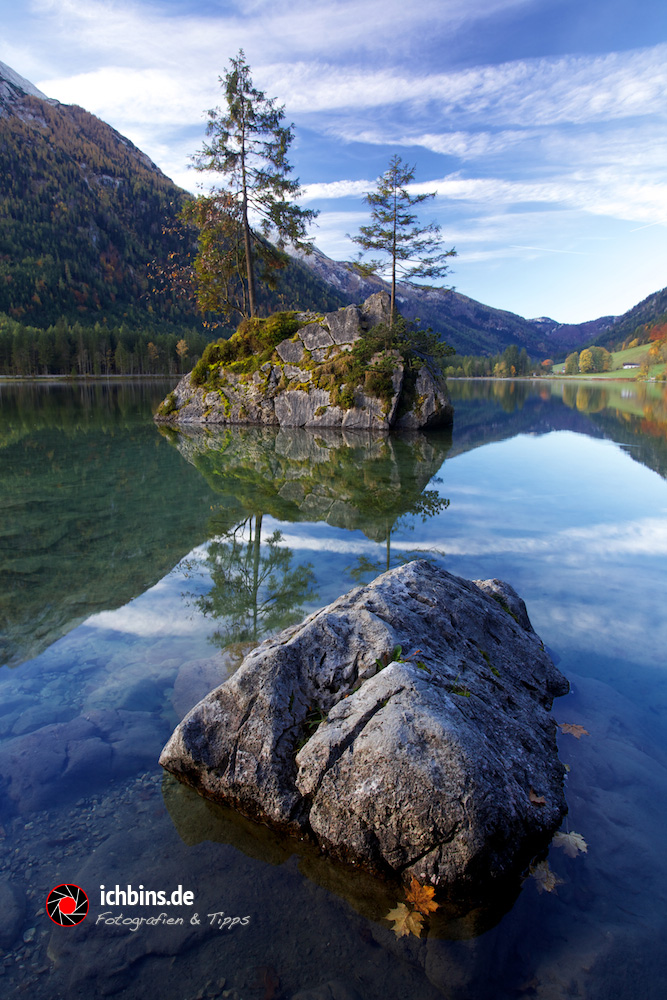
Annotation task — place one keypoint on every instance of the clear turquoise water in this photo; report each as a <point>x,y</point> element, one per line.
<point>131,582</point>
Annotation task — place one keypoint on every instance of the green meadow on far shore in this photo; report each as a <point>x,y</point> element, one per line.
<point>618,358</point>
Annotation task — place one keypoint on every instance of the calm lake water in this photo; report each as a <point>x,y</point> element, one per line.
<point>137,565</point>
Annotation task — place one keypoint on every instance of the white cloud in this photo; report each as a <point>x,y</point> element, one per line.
<point>335,189</point>
<point>645,536</point>
<point>465,145</point>
<point>600,192</point>
<point>266,30</point>
<point>528,93</point>
<point>149,96</point>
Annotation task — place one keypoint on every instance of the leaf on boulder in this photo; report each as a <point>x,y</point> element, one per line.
<point>572,843</point>
<point>421,897</point>
<point>573,729</point>
<point>545,879</point>
<point>405,921</point>
<point>537,800</point>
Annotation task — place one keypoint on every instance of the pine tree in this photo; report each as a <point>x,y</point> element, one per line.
<point>249,145</point>
<point>413,250</point>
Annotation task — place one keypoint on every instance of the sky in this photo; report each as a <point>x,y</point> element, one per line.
<point>539,124</point>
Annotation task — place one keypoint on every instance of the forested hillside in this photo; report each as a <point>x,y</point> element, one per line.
<point>637,323</point>
<point>83,215</point>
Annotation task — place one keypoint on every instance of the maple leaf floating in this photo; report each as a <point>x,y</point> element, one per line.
<point>545,879</point>
<point>573,729</point>
<point>421,897</point>
<point>537,800</point>
<point>572,843</point>
<point>405,921</point>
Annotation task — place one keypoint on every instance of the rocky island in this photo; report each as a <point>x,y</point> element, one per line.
<point>314,371</point>
<point>405,728</point>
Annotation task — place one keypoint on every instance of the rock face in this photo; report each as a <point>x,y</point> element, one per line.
<point>285,390</point>
<point>437,760</point>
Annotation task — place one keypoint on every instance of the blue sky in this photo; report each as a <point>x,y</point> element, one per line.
<point>539,123</point>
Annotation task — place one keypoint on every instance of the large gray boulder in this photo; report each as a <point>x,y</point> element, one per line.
<point>437,760</point>
<point>285,391</point>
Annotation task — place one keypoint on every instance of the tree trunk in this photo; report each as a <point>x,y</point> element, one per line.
<point>393,263</point>
<point>257,542</point>
<point>250,274</point>
<point>246,236</point>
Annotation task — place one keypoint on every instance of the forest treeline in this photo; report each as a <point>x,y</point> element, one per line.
<point>73,349</point>
<point>511,363</point>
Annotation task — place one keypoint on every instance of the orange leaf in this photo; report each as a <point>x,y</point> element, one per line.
<point>537,800</point>
<point>545,879</point>
<point>421,897</point>
<point>405,921</point>
<point>573,729</point>
<point>572,843</point>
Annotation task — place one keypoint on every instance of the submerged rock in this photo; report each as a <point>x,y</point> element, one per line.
<point>436,759</point>
<point>302,382</point>
<point>13,907</point>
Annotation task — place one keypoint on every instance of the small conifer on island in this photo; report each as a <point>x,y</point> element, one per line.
<point>410,250</point>
<point>248,145</point>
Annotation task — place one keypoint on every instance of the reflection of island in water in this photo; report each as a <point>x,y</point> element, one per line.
<point>357,482</point>
<point>95,509</point>
<point>351,482</point>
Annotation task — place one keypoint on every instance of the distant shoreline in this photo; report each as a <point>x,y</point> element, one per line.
<point>96,379</point>
<point>88,378</point>
<point>540,378</point>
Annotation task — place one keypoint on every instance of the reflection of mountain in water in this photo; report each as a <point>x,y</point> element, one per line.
<point>488,411</point>
<point>640,426</point>
<point>631,414</point>
<point>352,482</point>
<point>95,510</point>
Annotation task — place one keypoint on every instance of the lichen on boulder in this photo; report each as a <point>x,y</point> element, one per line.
<point>406,728</point>
<point>313,371</point>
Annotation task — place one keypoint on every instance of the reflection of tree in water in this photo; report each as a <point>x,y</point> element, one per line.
<point>255,589</point>
<point>427,505</point>
<point>351,482</point>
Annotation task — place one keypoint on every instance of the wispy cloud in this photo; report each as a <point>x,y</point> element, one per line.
<point>578,253</point>
<point>564,141</point>
<point>266,30</point>
<point>573,89</point>
<point>335,189</point>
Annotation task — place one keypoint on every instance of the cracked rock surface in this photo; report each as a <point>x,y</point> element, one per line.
<point>286,395</point>
<point>437,759</point>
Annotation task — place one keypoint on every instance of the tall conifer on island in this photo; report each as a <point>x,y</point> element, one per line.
<point>413,251</point>
<point>249,144</point>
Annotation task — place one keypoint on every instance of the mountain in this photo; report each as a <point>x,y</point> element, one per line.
<point>469,326</point>
<point>82,214</point>
<point>570,336</point>
<point>650,311</point>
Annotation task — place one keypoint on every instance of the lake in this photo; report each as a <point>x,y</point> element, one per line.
<point>139,563</point>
